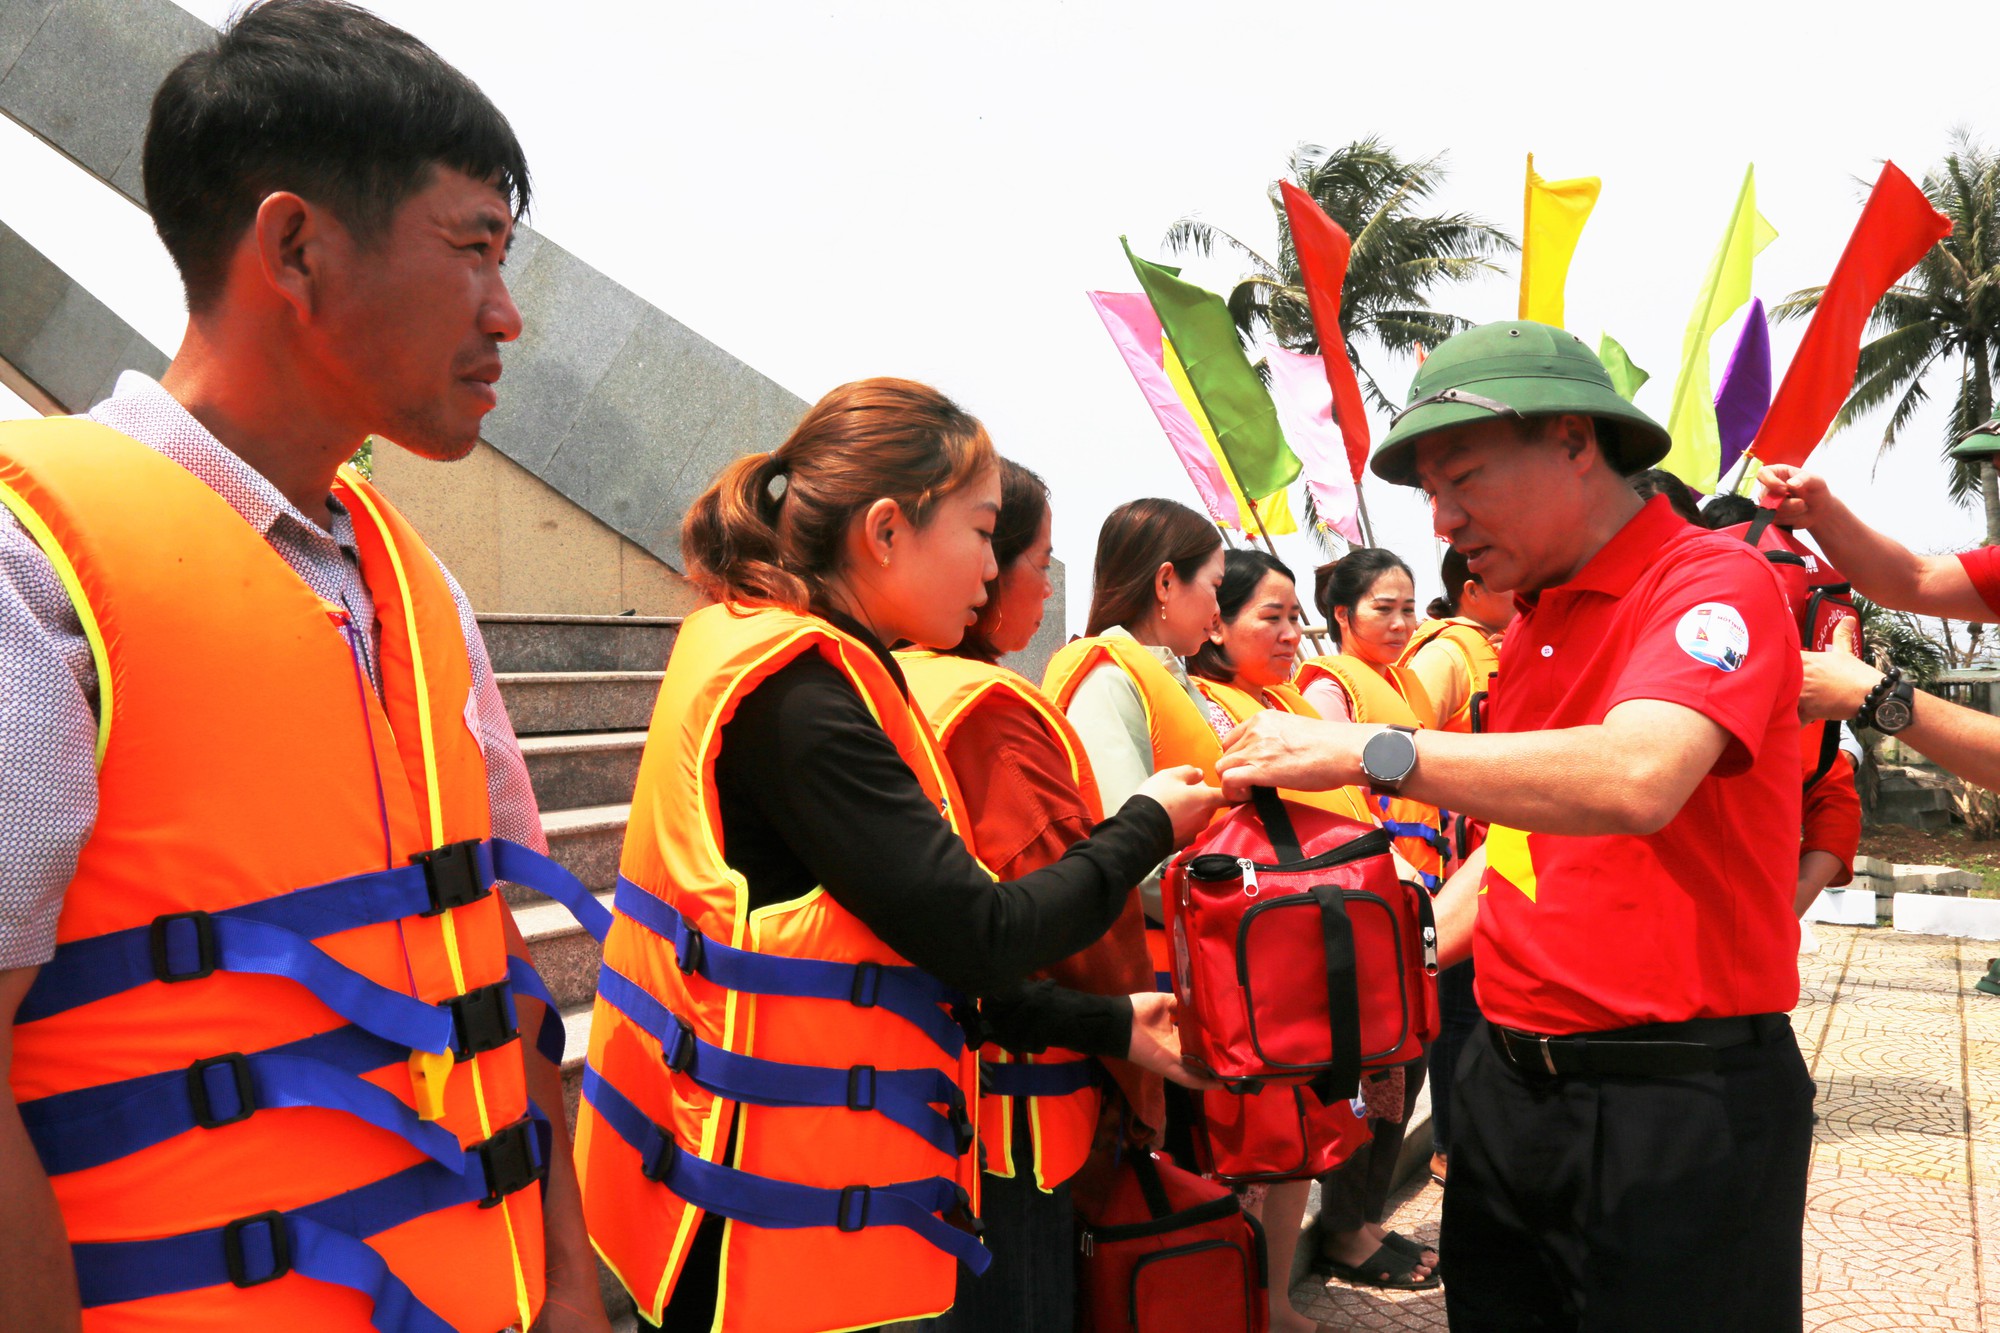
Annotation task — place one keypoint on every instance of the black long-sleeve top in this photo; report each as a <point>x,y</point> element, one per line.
<point>813,793</point>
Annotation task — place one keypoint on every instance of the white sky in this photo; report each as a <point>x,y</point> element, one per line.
<point>921,189</point>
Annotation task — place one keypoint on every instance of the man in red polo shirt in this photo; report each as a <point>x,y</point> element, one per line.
<point>1963,741</point>
<point>1632,1131</point>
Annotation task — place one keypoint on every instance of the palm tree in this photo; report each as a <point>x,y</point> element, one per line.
<point>1400,257</point>
<point>1946,313</point>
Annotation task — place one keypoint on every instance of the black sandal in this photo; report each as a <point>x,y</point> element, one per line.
<point>1407,1245</point>
<point>1389,1268</point>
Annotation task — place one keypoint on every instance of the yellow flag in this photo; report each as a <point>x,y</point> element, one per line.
<point>1552,220</point>
<point>1697,453</point>
<point>1275,510</point>
<point>1508,856</point>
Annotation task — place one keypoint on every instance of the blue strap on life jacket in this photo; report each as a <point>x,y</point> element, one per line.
<point>87,1127</point>
<point>1427,834</point>
<point>759,1201</point>
<point>906,1096</point>
<point>1018,1079</point>
<point>551,1039</point>
<point>908,992</point>
<point>322,1241</point>
<point>273,937</point>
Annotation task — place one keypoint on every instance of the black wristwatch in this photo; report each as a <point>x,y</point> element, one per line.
<point>1890,706</point>
<point>1388,757</point>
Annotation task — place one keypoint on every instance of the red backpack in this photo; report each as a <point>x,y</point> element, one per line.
<point>1168,1252</point>
<point>1281,1133</point>
<point>1820,598</point>
<point>1299,956</point>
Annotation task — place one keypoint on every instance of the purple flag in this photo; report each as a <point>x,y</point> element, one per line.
<point>1744,395</point>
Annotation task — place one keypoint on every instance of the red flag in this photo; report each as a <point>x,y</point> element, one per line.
<point>1322,248</point>
<point>1897,228</point>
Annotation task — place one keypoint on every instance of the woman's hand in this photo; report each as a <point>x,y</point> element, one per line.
<point>1189,801</point>
<point>1156,1042</point>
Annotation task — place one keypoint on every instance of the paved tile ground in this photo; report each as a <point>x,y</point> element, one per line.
<point>1903,1211</point>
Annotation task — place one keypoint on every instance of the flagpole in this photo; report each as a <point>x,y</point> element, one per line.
<point>1361,511</point>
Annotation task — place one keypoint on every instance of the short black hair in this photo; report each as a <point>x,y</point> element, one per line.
<point>1344,582</point>
<point>1658,481</point>
<point>321,98</point>
<point>1726,511</point>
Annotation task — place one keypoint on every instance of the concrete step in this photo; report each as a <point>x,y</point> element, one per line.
<point>586,842</point>
<point>563,952</point>
<point>577,643</point>
<point>597,768</point>
<point>544,702</point>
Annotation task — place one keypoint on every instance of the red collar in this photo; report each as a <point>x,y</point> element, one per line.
<point>1620,561</point>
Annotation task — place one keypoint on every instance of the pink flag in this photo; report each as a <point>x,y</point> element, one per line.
<point>1304,397</point>
<point>1129,319</point>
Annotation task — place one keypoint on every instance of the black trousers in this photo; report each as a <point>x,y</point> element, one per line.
<point>1357,1191</point>
<point>1596,1204</point>
<point>1459,1012</point>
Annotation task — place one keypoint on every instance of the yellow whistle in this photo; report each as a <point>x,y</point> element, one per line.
<point>428,1074</point>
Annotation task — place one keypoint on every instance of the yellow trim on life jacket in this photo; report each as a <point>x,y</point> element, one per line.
<point>434,1069</point>
<point>92,632</point>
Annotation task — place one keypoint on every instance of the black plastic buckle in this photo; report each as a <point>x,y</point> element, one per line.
<point>691,951</point>
<point>659,1157</point>
<point>965,1013</point>
<point>451,873</point>
<point>680,1054</point>
<point>846,1207</point>
<point>512,1159</point>
<point>482,1020</point>
<point>961,1125</point>
<point>861,1088</point>
<point>207,956</point>
<point>962,1216</point>
<point>867,988</point>
<point>203,1096</point>
<point>275,1232</point>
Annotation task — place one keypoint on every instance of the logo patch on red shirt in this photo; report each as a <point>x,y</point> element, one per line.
<point>1714,633</point>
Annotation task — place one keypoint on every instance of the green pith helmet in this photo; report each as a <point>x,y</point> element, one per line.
<point>1523,369</point>
<point>1981,443</point>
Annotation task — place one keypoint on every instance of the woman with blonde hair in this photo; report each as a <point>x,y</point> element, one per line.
<point>780,1102</point>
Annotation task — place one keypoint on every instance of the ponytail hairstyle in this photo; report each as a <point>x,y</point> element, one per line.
<point>1024,503</point>
<point>1456,573</point>
<point>1242,571</point>
<point>1344,582</point>
<point>1136,539</point>
<point>769,529</point>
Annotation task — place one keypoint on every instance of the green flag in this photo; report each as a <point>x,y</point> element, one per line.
<point>1625,377</point>
<point>1696,457</point>
<point>1235,401</point>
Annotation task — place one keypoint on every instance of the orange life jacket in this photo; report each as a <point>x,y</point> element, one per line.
<point>1481,660</point>
<point>792,1031</point>
<point>1241,706</point>
<point>1061,1124</point>
<point>1180,734</point>
<point>1396,697</point>
<point>245,1062</point>
<point>1176,727</point>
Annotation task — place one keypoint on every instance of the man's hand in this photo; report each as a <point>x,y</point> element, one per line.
<point>1156,1042</point>
<point>1803,497</point>
<point>1836,681</point>
<point>1276,749</point>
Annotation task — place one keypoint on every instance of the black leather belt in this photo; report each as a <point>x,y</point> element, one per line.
<point>1656,1050</point>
